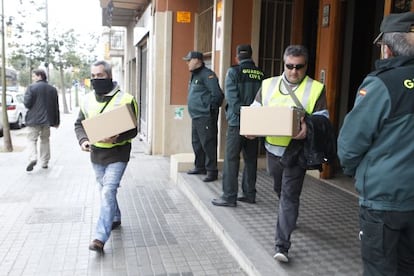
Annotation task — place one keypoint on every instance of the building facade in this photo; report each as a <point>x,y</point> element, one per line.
<point>158,33</point>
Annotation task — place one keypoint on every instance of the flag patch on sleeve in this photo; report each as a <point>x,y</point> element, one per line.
<point>362,92</point>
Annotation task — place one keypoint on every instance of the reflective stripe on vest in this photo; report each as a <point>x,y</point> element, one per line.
<point>91,108</point>
<point>307,92</point>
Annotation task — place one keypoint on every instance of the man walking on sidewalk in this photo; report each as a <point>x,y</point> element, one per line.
<point>110,156</point>
<point>41,100</point>
<point>292,88</point>
<point>241,85</point>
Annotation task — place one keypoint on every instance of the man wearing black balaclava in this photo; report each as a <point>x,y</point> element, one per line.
<point>109,156</point>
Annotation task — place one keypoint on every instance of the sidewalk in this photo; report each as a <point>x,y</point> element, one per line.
<point>325,242</point>
<point>168,228</point>
<point>48,217</point>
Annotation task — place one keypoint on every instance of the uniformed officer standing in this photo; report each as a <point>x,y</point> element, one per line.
<point>241,86</point>
<point>375,145</point>
<point>204,99</point>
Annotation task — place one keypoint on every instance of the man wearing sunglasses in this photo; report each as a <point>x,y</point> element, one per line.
<point>375,145</point>
<point>288,178</point>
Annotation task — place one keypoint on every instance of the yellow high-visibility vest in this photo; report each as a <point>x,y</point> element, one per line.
<point>307,92</point>
<point>91,108</point>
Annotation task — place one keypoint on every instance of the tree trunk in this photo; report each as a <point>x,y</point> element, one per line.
<point>77,95</point>
<point>7,141</point>
<point>62,85</point>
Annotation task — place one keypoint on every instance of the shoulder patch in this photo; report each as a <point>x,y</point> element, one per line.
<point>362,92</point>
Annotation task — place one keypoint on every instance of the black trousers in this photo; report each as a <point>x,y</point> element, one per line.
<point>387,242</point>
<point>204,142</point>
<point>249,148</point>
<point>287,183</point>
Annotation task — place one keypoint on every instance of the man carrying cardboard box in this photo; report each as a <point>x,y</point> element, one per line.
<point>288,178</point>
<point>109,156</point>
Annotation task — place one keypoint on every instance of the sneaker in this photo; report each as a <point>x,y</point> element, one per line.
<point>281,256</point>
<point>96,245</point>
<point>29,167</point>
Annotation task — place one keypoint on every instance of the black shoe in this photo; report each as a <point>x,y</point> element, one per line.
<point>44,167</point>
<point>210,178</point>
<point>96,245</point>
<point>115,224</point>
<point>246,199</point>
<point>197,171</point>
<point>222,202</point>
<point>29,167</point>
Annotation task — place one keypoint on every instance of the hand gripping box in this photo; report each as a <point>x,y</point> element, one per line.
<point>110,123</point>
<point>270,120</point>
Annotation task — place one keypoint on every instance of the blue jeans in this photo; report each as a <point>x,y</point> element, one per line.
<point>108,178</point>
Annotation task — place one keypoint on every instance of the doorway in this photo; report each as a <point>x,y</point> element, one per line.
<point>361,25</point>
<point>276,34</point>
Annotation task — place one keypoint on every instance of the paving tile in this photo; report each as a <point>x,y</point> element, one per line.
<point>50,218</point>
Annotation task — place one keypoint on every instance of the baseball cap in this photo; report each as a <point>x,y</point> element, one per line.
<point>193,54</point>
<point>396,23</point>
<point>244,51</point>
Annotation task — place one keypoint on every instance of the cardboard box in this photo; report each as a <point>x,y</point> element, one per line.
<point>270,121</point>
<point>110,123</point>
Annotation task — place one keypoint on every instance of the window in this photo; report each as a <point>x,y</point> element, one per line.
<point>117,40</point>
<point>275,33</point>
<point>205,26</point>
<point>399,6</point>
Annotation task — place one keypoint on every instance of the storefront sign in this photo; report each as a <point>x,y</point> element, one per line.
<point>183,17</point>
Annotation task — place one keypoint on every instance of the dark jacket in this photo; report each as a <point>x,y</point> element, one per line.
<point>204,93</point>
<point>375,143</point>
<point>241,85</point>
<point>42,102</point>
<point>319,146</point>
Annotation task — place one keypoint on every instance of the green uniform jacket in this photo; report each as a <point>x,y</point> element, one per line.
<point>241,85</point>
<point>204,93</point>
<point>376,141</point>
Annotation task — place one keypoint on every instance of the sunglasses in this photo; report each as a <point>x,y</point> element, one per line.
<point>295,66</point>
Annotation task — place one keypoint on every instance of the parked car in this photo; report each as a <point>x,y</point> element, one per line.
<point>16,111</point>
